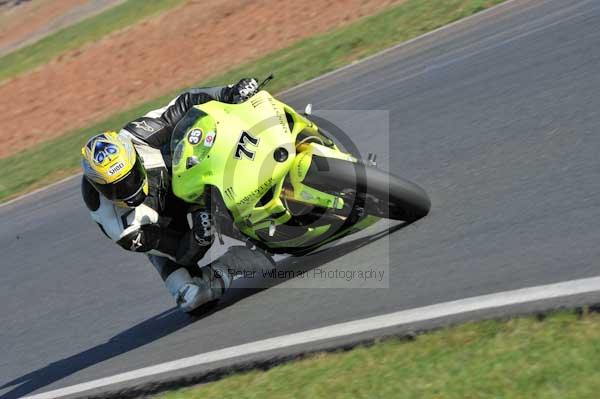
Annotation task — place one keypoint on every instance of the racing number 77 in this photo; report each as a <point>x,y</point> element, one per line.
<point>245,139</point>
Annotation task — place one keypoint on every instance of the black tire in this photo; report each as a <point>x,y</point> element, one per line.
<point>380,193</point>
<point>392,197</point>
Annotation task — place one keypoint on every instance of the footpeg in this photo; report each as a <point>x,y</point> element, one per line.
<point>372,160</point>
<point>272,228</point>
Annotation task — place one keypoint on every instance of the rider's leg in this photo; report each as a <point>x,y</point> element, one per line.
<point>192,290</point>
<point>240,261</point>
<point>189,292</point>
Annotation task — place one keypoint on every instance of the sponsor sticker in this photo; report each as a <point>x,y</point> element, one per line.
<point>194,136</point>
<point>116,168</point>
<point>209,139</point>
<point>144,126</point>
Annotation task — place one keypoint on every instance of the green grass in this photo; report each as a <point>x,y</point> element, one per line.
<point>557,358</point>
<point>74,36</point>
<point>304,60</point>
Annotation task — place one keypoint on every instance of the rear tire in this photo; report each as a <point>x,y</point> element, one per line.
<point>383,194</point>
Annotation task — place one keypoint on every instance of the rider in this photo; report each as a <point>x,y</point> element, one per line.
<point>126,187</point>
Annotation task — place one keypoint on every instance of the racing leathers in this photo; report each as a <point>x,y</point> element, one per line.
<point>174,235</point>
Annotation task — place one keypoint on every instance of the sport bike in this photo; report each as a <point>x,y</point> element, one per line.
<point>280,182</point>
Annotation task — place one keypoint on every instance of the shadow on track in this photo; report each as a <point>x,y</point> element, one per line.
<point>139,335</point>
<point>299,265</point>
<point>170,321</point>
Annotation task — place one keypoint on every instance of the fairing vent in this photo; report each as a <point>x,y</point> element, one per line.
<point>290,120</point>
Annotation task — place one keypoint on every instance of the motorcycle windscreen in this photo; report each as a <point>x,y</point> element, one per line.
<point>196,132</point>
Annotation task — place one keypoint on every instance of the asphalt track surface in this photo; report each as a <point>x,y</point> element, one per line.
<point>497,117</point>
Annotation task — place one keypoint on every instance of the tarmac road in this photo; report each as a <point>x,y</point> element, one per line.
<point>497,117</point>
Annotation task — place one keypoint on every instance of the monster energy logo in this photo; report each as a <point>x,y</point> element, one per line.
<point>256,192</point>
<point>230,193</point>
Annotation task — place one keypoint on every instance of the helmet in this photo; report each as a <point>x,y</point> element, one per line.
<point>111,164</point>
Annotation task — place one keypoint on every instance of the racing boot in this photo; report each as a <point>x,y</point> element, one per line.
<point>191,292</point>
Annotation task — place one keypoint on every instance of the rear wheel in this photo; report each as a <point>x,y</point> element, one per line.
<point>379,193</point>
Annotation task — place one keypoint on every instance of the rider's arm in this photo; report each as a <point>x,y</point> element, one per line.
<point>139,229</point>
<point>134,229</point>
<point>182,104</point>
<point>156,126</point>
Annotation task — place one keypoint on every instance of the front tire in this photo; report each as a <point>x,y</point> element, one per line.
<point>402,200</point>
<point>380,193</point>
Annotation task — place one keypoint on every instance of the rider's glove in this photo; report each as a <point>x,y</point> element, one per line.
<point>241,91</point>
<point>141,238</point>
<point>202,227</point>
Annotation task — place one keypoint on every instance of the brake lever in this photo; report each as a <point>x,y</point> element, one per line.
<point>265,82</point>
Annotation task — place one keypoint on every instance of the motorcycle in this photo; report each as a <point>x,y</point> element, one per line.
<point>278,181</point>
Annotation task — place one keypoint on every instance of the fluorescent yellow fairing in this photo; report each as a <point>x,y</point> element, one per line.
<point>243,160</point>
<point>242,181</point>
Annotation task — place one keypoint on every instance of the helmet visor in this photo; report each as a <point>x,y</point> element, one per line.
<point>129,186</point>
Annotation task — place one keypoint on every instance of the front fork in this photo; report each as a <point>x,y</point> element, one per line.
<point>300,170</point>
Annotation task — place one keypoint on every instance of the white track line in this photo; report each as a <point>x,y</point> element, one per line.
<point>484,302</point>
<point>328,74</point>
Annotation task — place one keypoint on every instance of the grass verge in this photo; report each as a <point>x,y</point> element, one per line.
<point>304,60</point>
<point>558,357</point>
<point>74,36</point>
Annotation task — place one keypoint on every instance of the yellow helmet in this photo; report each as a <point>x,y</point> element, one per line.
<point>112,166</point>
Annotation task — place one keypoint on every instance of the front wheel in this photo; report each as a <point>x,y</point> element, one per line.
<point>380,193</point>
<point>395,198</point>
